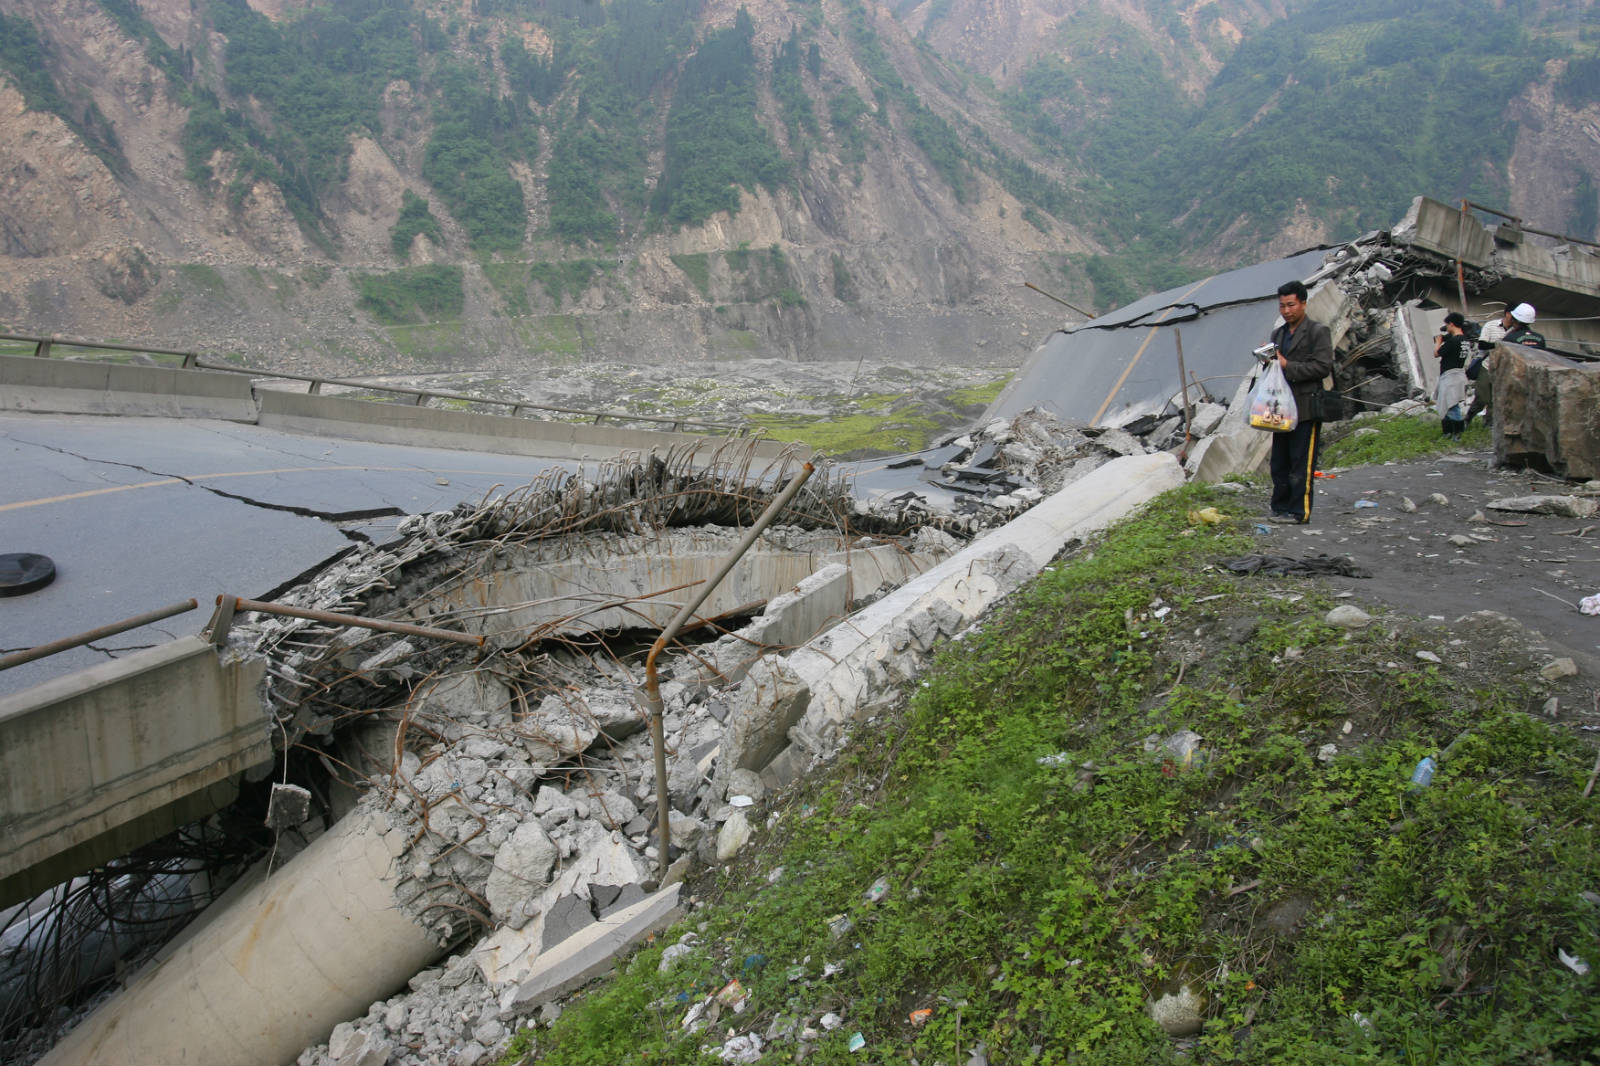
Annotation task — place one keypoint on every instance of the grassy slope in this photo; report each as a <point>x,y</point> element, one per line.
<point>1326,911</point>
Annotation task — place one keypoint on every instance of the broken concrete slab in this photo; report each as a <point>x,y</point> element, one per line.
<point>590,953</point>
<point>471,696</point>
<point>1561,506</point>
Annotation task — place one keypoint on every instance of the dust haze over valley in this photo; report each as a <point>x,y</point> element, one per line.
<point>392,187</point>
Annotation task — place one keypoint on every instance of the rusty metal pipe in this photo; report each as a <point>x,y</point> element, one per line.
<point>241,604</point>
<point>28,655</point>
<point>652,685</point>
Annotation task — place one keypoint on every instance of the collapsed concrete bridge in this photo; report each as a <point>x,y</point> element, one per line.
<point>504,793</point>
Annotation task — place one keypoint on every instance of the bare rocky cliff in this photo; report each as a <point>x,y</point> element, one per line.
<point>149,255</point>
<point>870,255</point>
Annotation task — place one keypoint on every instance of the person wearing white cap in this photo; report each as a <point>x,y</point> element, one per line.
<point>1512,327</point>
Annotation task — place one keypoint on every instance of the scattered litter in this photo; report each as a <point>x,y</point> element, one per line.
<point>1206,515</point>
<point>733,996</point>
<point>831,968</point>
<point>1348,726</point>
<point>1590,604</point>
<point>1422,776</point>
<point>831,1021</point>
<point>920,1017</point>
<point>1262,529</point>
<point>740,801</point>
<point>1429,657</point>
<point>1327,753</point>
<point>839,925</point>
<point>741,1049</point>
<point>1365,503</point>
<point>1361,1019</point>
<point>879,889</point>
<point>794,973</point>
<point>857,1042</point>
<point>1060,758</point>
<point>757,961</point>
<point>1573,963</point>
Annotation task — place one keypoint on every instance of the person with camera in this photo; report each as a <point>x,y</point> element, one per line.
<point>1450,393</point>
<point>1305,354</point>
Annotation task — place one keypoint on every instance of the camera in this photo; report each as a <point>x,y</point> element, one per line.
<point>1265,353</point>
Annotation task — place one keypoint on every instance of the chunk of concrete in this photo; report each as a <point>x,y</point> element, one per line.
<point>469,695</point>
<point>568,916</point>
<point>592,952</point>
<point>615,713</point>
<point>1544,412</point>
<point>521,869</point>
<point>770,700</point>
<point>557,729</point>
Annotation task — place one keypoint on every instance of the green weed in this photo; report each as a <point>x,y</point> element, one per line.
<point>1398,439</point>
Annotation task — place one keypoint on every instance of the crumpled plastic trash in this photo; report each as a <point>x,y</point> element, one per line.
<point>1573,963</point>
<point>1206,515</point>
<point>1590,604</point>
<point>734,996</point>
<point>745,1048</point>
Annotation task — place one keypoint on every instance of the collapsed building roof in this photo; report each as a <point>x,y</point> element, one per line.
<point>1114,369</point>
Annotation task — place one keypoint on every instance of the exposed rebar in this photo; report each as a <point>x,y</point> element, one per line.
<point>652,689</point>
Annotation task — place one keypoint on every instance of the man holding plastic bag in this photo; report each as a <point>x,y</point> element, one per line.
<point>1303,351</point>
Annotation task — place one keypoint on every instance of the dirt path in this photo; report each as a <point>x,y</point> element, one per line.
<point>1533,568</point>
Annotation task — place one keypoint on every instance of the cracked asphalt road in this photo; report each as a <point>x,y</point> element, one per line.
<point>140,513</point>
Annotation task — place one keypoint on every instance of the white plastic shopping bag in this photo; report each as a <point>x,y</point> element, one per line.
<point>1272,403</point>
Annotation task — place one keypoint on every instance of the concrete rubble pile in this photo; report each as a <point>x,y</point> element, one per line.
<point>542,813</point>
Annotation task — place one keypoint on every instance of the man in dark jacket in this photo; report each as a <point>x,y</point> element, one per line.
<point>1305,352</point>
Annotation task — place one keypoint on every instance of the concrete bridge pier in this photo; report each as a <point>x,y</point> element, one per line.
<point>272,967</point>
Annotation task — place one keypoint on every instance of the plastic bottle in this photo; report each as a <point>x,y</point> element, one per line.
<point>1422,776</point>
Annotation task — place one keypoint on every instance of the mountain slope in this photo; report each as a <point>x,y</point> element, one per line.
<point>672,180</point>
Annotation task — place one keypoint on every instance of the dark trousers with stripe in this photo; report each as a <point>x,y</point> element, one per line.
<point>1294,459</point>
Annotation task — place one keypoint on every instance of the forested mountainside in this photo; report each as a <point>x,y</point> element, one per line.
<point>375,184</point>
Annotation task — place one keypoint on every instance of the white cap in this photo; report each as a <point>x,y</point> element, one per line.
<point>1523,313</point>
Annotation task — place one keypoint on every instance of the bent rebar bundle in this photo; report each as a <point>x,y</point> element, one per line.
<point>312,683</point>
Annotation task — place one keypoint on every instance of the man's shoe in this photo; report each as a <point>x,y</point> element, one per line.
<point>1284,519</point>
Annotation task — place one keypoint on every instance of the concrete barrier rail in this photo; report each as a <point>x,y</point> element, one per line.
<point>94,764</point>
<point>63,386</point>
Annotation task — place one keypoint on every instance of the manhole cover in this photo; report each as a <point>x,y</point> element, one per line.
<point>24,572</point>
